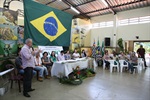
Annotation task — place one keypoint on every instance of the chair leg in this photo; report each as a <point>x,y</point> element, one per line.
<point>111,69</point>
<point>103,67</point>
<point>37,75</point>
<point>137,70</point>
<point>118,69</point>
<point>11,84</point>
<point>19,85</point>
<point>121,68</point>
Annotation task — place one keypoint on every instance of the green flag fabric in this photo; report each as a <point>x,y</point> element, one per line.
<point>46,25</point>
<point>102,49</point>
<point>98,43</point>
<point>98,46</point>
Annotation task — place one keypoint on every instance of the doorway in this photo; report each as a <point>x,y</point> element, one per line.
<point>146,46</point>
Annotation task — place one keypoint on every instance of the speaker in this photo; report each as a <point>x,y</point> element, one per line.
<point>107,41</point>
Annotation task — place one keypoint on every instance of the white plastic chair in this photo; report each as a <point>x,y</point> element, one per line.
<point>112,65</point>
<point>137,67</point>
<point>122,65</point>
<point>141,62</point>
<point>104,64</point>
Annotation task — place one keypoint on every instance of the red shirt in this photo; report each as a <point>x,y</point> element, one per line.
<point>141,52</point>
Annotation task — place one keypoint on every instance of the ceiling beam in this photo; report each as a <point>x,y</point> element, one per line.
<point>110,7</point>
<point>69,4</point>
<point>50,2</point>
<point>133,2</point>
<point>80,4</point>
<point>84,3</point>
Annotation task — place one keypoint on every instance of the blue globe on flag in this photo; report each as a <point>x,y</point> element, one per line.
<point>51,26</point>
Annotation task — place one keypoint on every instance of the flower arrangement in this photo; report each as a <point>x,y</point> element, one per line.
<point>76,76</point>
<point>76,72</point>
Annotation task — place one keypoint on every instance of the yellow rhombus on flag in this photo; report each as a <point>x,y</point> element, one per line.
<point>49,25</point>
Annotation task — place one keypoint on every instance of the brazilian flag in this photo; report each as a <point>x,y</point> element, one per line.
<point>46,25</point>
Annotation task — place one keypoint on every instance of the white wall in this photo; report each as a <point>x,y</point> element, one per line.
<point>15,5</point>
<point>103,18</point>
<point>128,32</point>
<point>101,33</point>
<point>134,13</point>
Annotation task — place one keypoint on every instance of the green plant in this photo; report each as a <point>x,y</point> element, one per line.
<point>120,44</point>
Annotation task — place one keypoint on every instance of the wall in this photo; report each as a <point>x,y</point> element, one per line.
<point>103,18</point>
<point>83,34</point>
<point>18,5</point>
<point>85,24</point>
<point>128,32</point>
<point>101,33</point>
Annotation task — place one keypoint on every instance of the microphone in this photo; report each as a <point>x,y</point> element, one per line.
<point>32,48</point>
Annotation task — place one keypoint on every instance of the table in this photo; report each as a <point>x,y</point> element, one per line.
<point>5,72</point>
<point>64,68</point>
<point>4,83</point>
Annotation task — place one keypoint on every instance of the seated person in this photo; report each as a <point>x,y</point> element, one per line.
<point>99,59</point>
<point>53,57</point>
<point>47,62</point>
<point>106,58</point>
<point>41,68</point>
<point>61,56</point>
<point>18,63</point>
<point>68,55</point>
<point>83,54</point>
<point>134,62</point>
<point>114,55</point>
<point>122,56</point>
<point>76,54</point>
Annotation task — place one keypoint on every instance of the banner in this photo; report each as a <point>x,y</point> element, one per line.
<point>8,32</point>
<point>8,47</point>
<point>8,17</point>
<point>45,25</point>
<point>49,49</point>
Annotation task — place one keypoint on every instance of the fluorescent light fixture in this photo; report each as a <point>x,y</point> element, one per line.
<point>104,2</point>
<point>74,9</point>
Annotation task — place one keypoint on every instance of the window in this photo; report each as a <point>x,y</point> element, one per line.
<point>103,24</point>
<point>109,24</point>
<point>133,21</point>
<point>95,25</point>
<point>138,20</point>
<point>145,19</point>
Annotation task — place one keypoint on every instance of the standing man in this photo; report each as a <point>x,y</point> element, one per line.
<point>28,64</point>
<point>141,54</point>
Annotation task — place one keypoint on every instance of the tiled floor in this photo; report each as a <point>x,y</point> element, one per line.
<point>104,86</point>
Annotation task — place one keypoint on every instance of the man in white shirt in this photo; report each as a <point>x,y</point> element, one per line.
<point>61,56</point>
<point>27,56</point>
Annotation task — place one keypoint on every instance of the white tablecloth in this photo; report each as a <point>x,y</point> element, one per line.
<point>5,72</point>
<point>64,68</point>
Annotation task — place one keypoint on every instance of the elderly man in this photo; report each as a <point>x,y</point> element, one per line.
<point>27,55</point>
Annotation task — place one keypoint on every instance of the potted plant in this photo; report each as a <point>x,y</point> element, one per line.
<point>120,44</point>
